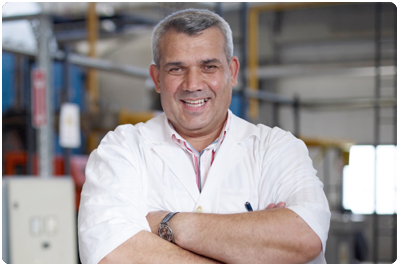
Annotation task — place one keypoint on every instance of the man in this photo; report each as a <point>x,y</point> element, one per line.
<point>181,187</point>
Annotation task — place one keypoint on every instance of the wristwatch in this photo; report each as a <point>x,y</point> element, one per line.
<point>164,230</point>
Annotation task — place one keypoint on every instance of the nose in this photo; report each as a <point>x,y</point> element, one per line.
<point>192,80</point>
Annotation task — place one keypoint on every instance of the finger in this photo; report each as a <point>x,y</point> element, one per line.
<point>270,206</point>
<point>281,205</point>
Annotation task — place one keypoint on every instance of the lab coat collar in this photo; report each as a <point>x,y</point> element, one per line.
<point>157,131</point>
<point>239,129</point>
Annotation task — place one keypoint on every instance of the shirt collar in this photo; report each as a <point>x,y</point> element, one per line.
<point>214,145</point>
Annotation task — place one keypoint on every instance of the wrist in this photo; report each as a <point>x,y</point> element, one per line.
<point>154,219</point>
<point>164,230</point>
<point>175,226</point>
<point>183,225</point>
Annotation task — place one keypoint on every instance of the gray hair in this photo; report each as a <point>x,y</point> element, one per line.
<point>191,22</point>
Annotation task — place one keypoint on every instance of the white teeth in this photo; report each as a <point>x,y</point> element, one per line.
<point>196,103</point>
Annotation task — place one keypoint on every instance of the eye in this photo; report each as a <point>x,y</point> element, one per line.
<point>175,69</point>
<point>210,68</point>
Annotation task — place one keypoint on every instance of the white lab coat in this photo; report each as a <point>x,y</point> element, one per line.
<point>138,169</point>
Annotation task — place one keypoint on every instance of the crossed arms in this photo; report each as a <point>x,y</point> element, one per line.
<point>273,235</point>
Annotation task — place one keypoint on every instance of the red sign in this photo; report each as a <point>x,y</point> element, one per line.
<point>39,105</point>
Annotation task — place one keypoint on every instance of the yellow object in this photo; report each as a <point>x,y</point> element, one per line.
<point>127,117</point>
<point>346,157</point>
<point>93,141</point>
<point>342,144</point>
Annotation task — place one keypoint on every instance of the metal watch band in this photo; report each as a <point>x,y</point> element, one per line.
<point>168,217</point>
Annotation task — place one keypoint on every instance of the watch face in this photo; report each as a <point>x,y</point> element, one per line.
<point>165,232</point>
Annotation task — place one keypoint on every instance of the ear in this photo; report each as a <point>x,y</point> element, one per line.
<point>234,67</point>
<point>155,76</point>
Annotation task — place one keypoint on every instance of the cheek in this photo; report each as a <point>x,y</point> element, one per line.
<point>215,84</point>
<point>169,86</point>
<point>219,84</point>
<point>168,95</point>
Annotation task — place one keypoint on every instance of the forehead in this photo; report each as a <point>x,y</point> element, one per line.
<point>181,46</point>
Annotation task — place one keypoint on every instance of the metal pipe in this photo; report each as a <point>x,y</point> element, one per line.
<point>243,59</point>
<point>376,122</point>
<point>66,98</point>
<point>218,9</point>
<point>282,71</point>
<point>66,75</point>
<point>275,114</point>
<point>87,62</point>
<point>18,81</point>
<point>22,17</point>
<point>395,82</point>
<point>30,132</point>
<point>92,81</point>
<point>394,234</point>
<point>290,6</point>
<point>45,132</point>
<point>323,103</point>
<point>326,171</point>
<point>268,96</point>
<point>296,116</point>
<point>106,65</point>
<point>16,50</point>
<point>349,102</point>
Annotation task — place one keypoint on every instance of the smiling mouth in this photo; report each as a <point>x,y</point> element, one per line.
<point>195,103</point>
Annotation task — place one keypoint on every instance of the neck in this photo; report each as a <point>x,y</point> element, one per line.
<point>201,141</point>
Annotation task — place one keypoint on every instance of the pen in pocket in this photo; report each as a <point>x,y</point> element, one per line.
<point>248,206</point>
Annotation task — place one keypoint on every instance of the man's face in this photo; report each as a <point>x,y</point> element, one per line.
<point>195,81</point>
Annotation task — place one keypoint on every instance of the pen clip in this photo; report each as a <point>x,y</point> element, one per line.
<point>248,206</point>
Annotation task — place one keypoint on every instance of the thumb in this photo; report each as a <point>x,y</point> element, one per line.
<point>281,205</point>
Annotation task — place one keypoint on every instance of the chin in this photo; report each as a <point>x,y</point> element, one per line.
<point>193,127</point>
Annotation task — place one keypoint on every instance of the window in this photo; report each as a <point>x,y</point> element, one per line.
<point>358,180</point>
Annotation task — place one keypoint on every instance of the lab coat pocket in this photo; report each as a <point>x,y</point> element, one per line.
<point>235,191</point>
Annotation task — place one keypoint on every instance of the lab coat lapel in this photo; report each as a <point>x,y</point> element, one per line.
<point>158,133</point>
<point>172,155</point>
<point>226,158</point>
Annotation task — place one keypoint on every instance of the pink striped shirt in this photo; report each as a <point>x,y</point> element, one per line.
<point>202,161</point>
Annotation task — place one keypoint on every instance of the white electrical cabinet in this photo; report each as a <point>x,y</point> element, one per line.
<point>39,220</point>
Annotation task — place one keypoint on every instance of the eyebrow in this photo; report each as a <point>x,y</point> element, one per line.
<point>208,61</point>
<point>178,63</point>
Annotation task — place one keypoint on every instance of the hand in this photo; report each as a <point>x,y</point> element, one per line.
<point>154,219</point>
<point>273,206</point>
